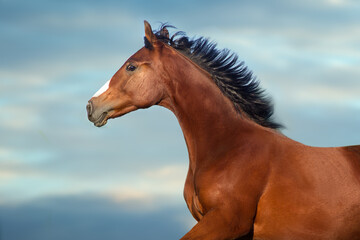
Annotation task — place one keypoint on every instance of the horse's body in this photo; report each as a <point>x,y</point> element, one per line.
<point>245,179</point>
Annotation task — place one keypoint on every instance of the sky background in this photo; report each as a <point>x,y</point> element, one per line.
<point>63,178</point>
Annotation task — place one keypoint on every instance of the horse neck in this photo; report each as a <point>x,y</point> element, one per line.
<point>209,121</point>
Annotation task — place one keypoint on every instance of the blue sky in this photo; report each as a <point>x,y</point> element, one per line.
<point>60,174</point>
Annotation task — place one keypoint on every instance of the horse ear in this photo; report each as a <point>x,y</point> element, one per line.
<point>150,37</point>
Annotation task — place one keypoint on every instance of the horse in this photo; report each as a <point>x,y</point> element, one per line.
<point>246,180</point>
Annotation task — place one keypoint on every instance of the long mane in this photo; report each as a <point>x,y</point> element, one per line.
<point>232,77</point>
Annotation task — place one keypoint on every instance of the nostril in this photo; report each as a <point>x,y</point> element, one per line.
<point>89,108</point>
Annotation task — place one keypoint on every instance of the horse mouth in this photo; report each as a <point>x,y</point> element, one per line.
<point>101,121</point>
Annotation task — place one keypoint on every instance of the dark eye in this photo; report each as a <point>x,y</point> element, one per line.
<point>130,68</point>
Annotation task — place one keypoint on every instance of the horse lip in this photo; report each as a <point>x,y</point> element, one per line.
<point>101,121</point>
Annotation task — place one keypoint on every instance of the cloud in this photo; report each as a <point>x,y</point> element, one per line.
<point>338,3</point>
<point>4,175</point>
<point>90,217</point>
<point>14,117</point>
<point>166,172</point>
<point>324,95</point>
<point>30,174</point>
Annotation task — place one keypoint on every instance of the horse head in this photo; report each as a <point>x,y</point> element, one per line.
<point>135,85</point>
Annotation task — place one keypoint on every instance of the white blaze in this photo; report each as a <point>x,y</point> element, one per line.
<point>102,89</point>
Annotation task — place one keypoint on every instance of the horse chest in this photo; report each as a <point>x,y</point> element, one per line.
<point>192,199</point>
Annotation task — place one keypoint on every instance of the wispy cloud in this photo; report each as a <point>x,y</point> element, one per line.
<point>90,217</point>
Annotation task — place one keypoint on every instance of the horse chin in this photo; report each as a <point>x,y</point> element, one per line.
<point>100,124</point>
<point>102,120</point>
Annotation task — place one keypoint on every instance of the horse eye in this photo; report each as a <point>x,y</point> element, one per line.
<point>130,68</point>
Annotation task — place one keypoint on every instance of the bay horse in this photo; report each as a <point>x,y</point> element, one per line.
<point>246,180</point>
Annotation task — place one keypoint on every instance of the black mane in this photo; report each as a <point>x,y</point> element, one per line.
<point>231,76</point>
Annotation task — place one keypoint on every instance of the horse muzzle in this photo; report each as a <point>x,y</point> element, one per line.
<point>96,115</point>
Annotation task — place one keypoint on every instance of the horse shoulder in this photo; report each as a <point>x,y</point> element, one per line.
<point>233,180</point>
<point>352,154</point>
<point>354,150</point>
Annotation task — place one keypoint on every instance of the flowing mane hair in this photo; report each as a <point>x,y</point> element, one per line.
<point>232,77</point>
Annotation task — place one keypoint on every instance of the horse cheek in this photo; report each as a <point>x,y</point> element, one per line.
<point>144,96</point>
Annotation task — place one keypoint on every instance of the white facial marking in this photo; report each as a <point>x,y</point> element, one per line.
<point>102,89</point>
